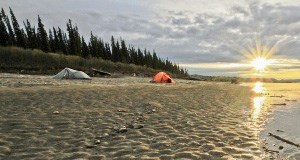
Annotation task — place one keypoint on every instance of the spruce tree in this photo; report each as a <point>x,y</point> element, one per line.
<point>124,52</point>
<point>102,49</point>
<point>3,32</point>
<point>155,61</point>
<point>11,40</point>
<point>108,52</point>
<point>77,41</point>
<point>74,43</point>
<point>51,42</point>
<point>20,40</point>
<point>55,41</point>
<point>62,42</point>
<point>43,38</point>
<point>94,46</point>
<point>133,56</point>
<point>118,51</point>
<point>114,51</point>
<point>140,57</point>
<point>71,42</point>
<point>31,39</point>
<point>84,49</point>
<point>35,37</point>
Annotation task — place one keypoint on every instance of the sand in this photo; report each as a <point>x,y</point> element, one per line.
<point>124,118</point>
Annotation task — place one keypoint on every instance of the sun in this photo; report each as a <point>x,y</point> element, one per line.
<point>260,63</point>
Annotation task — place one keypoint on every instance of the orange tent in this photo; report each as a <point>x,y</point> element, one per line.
<point>162,77</point>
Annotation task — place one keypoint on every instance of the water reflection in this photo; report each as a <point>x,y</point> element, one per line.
<point>258,101</point>
<point>259,88</point>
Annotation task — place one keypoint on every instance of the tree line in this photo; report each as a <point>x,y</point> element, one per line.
<point>70,42</point>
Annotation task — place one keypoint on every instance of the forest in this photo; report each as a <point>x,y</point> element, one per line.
<point>72,43</point>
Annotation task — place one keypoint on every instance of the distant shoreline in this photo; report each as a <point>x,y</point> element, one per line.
<point>241,80</point>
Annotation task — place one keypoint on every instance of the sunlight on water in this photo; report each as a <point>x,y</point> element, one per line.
<point>259,88</point>
<point>258,101</point>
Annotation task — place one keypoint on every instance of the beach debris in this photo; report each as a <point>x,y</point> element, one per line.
<point>105,135</point>
<point>279,104</point>
<point>140,117</point>
<point>130,126</point>
<point>90,146</point>
<point>55,112</point>
<point>279,130</point>
<point>97,141</point>
<point>293,100</point>
<point>122,129</point>
<point>135,126</point>
<point>116,128</point>
<point>269,150</point>
<point>280,147</point>
<point>113,134</point>
<point>151,107</point>
<point>121,110</point>
<point>278,96</point>
<point>284,140</point>
<point>95,72</point>
<point>150,110</point>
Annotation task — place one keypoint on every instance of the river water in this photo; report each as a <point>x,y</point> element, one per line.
<point>276,110</point>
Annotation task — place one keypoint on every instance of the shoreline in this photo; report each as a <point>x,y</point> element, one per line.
<point>275,112</point>
<point>283,124</point>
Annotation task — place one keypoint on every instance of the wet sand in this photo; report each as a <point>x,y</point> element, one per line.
<point>124,118</point>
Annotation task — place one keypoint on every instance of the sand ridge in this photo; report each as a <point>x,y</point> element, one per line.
<point>127,119</point>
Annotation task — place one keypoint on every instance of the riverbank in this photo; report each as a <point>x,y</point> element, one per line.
<point>124,118</point>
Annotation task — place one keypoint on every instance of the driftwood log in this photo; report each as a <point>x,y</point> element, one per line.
<point>95,72</point>
<point>279,104</point>
<point>269,150</point>
<point>284,140</point>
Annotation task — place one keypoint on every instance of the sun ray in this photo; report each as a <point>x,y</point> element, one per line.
<point>258,54</point>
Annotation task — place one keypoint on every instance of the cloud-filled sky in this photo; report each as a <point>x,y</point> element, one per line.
<point>204,36</point>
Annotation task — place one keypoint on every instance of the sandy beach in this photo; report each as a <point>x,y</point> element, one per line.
<point>124,118</point>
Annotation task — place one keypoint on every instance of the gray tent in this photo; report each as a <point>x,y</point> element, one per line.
<point>69,73</point>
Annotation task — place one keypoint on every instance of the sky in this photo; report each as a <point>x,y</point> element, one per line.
<point>206,37</point>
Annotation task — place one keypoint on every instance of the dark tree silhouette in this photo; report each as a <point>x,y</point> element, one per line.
<point>31,36</point>
<point>11,40</point>
<point>84,49</point>
<point>3,31</point>
<point>20,39</point>
<point>42,36</point>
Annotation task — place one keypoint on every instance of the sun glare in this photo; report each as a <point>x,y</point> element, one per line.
<point>260,63</point>
<point>258,56</point>
<point>258,87</point>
